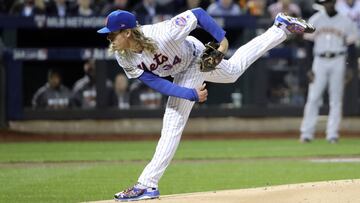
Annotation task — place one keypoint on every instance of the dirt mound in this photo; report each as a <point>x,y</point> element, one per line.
<point>329,191</point>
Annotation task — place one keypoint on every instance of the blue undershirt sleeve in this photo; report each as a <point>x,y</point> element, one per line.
<point>168,88</point>
<point>208,24</point>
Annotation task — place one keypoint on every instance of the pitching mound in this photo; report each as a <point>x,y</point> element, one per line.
<point>330,192</point>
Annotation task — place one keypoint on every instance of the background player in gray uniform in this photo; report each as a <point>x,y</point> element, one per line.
<point>350,8</point>
<point>84,90</point>
<point>53,95</point>
<point>334,32</point>
<point>153,51</point>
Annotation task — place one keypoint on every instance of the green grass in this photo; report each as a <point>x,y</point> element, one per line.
<point>47,179</point>
<point>75,151</point>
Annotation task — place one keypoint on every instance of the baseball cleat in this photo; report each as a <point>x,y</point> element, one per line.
<point>305,140</point>
<point>292,25</point>
<point>333,141</point>
<point>136,193</point>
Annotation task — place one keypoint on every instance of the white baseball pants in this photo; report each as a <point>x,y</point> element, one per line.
<point>328,73</point>
<point>178,110</point>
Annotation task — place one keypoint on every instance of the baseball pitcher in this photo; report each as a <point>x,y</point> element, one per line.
<point>151,52</point>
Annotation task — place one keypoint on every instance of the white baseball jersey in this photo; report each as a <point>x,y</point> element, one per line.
<point>331,38</point>
<point>177,56</point>
<point>352,12</point>
<point>174,53</point>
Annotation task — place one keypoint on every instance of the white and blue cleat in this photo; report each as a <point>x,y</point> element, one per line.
<point>135,194</point>
<point>292,25</point>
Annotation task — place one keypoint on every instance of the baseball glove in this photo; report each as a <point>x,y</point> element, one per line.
<point>211,57</point>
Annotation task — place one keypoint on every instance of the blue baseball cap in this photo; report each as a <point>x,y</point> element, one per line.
<point>118,20</point>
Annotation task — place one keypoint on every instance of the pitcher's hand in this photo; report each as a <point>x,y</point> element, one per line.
<point>202,93</point>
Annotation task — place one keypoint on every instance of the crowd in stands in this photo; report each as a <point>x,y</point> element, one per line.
<point>123,94</point>
<point>55,95</point>
<point>260,8</point>
<point>154,7</point>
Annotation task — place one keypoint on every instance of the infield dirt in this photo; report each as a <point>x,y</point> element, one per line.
<point>341,191</point>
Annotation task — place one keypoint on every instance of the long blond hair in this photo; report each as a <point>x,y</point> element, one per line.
<point>138,36</point>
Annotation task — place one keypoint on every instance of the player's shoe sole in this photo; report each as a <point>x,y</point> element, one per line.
<point>136,194</point>
<point>292,25</point>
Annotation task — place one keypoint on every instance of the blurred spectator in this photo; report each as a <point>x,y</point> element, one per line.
<point>190,4</point>
<point>142,96</point>
<point>242,4</point>
<point>122,95</point>
<point>224,8</point>
<point>350,8</point>
<point>28,8</point>
<point>256,7</point>
<point>147,8</point>
<point>83,8</point>
<point>279,94</point>
<point>292,81</point>
<point>306,7</point>
<point>115,5</point>
<point>168,6</point>
<point>84,90</point>
<point>53,95</point>
<point>99,5</point>
<point>150,99</point>
<point>58,8</point>
<point>285,6</point>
